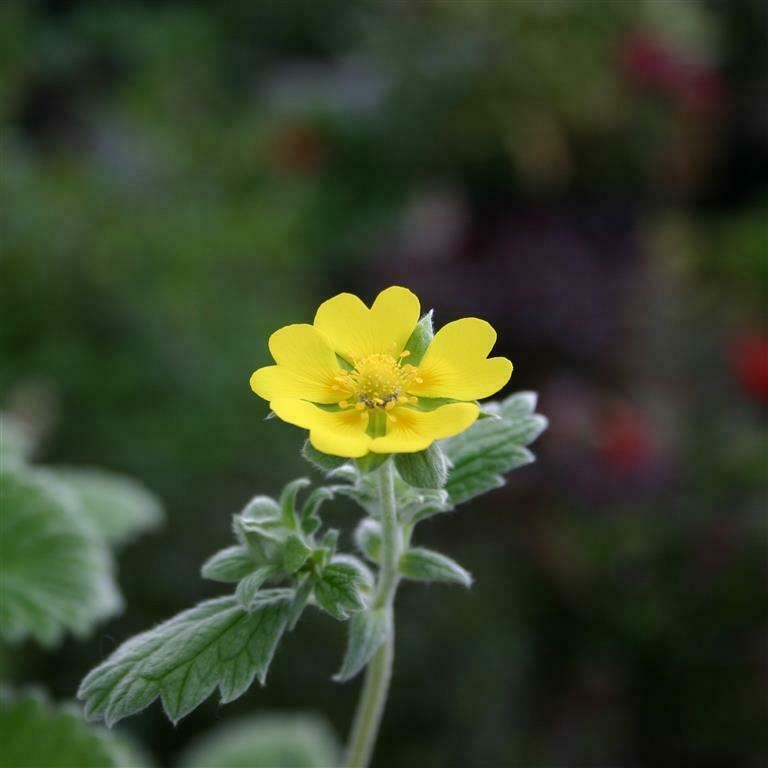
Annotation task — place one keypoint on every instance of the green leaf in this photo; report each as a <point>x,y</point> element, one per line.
<point>300,600</point>
<point>183,660</point>
<point>322,461</point>
<point>55,571</point>
<point>37,734</point>
<point>425,565</point>
<point>16,443</point>
<point>295,553</point>
<point>420,339</point>
<point>118,507</point>
<point>247,590</point>
<point>288,502</point>
<point>368,538</point>
<point>367,631</point>
<point>342,586</point>
<point>481,455</point>
<point>266,741</point>
<point>228,565</point>
<point>263,510</point>
<point>425,469</point>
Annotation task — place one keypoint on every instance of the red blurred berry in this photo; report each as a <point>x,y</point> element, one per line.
<point>749,363</point>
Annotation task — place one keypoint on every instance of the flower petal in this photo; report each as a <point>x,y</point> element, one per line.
<point>339,433</point>
<point>355,331</point>
<point>414,430</point>
<point>456,365</point>
<point>306,367</point>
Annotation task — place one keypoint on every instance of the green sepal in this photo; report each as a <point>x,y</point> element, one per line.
<point>371,461</point>
<point>228,565</point>
<point>368,538</point>
<point>425,565</point>
<point>425,469</point>
<point>325,462</point>
<point>368,629</point>
<point>420,339</point>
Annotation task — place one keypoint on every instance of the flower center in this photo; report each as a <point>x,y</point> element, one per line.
<point>377,381</point>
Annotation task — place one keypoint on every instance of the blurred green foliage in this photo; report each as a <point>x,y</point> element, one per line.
<point>179,179</point>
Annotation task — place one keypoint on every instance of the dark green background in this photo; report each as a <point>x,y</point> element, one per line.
<point>178,180</point>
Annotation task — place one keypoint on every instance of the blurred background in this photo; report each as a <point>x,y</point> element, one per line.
<point>179,179</point>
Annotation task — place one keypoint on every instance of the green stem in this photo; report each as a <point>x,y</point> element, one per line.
<point>370,708</point>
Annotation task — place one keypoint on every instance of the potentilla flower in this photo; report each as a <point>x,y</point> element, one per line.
<point>347,378</point>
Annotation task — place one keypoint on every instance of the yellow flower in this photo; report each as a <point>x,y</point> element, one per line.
<point>346,378</point>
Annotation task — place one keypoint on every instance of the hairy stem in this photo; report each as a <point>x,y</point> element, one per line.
<point>370,708</point>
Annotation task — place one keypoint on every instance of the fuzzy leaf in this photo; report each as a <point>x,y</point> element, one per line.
<point>425,565</point>
<point>341,588</point>
<point>55,571</point>
<point>118,507</point>
<point>228,565</point>
<point>368,538</point>
<point>300,600</point>
<point>481,455</point>
<point>288,501</point>
<point>247,592</point>
<point>266,741</point>
<point>295,553</point>
<point>35,733</point>
<point>367,631</point>
<point>183,660</point>
<point>424,469</point>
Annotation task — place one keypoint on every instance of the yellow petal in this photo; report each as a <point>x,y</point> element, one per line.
<point>414,430</point>
<point>355,331</point>
<point>339,433</point>
<point>306,367</point>
<point>456,365</point>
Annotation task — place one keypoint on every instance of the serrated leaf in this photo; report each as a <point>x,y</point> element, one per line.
<point>425,565</point>
<point>367,631</point>
<point>341,588</point>
<point>247,590</point>
<point>420,339</point>
<point>56,573</point>
<point>37,734</point>
<point>16,443</point>
<point>183,660</point>
<point>481,455</point>
<point>424,469</point>
<point>368,538</point>
<point>118,507</point>
<point>322,461</point>
<point>228,565</point>
<point>266,741</point>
